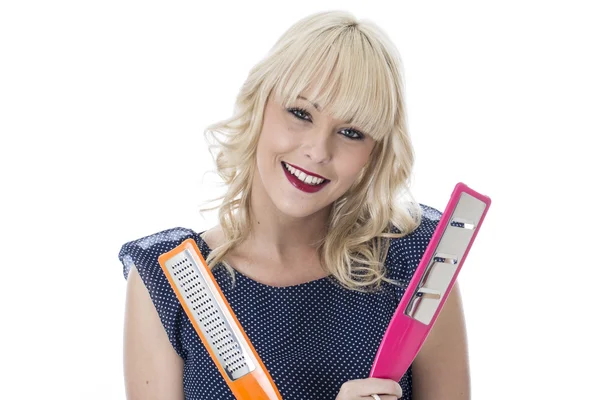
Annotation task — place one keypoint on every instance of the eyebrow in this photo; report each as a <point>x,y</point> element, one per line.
<point>314,104</point>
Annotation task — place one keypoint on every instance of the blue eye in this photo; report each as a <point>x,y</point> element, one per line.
<point>355,135</point>
<point>297,112</point>
<point>304,115</point>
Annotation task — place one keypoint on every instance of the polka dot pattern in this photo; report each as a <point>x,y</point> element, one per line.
<point>312,337</point>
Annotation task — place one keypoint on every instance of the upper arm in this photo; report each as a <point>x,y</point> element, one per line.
<point>441,368</point>
<point>152,367</point>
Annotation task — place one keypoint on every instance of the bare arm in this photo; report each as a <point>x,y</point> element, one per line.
<point>153,369</point>
<point>441,369</point>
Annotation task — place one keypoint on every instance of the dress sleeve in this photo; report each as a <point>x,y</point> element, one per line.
<point>143,253</point>
<point>404,254</point>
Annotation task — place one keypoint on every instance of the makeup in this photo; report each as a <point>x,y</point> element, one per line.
<point>303,180</point>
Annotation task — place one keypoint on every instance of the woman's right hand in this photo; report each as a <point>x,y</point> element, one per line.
<point>362,389</point>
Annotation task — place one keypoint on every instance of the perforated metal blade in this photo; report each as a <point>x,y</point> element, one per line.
<point>210,313</point>
<point>447,258</point>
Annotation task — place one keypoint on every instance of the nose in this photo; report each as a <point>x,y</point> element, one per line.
<point>317,147</point>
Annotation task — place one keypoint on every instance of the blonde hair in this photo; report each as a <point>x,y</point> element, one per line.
<point>355,69</point>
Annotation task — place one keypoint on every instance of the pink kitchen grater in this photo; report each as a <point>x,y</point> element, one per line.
<point>431,283</point>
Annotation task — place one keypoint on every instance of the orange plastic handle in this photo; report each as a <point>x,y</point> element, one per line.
<point>258,384</point>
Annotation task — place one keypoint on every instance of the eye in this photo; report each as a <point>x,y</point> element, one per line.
<point>298,112</point>
<point>353,134</point>
<point>303,115</point>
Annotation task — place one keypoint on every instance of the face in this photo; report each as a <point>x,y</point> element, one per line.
<point>306,159</point>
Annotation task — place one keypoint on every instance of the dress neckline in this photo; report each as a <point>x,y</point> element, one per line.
<point>204,245</point>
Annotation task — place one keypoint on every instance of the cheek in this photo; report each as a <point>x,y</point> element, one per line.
<point>277,137</point>
<point>352,163</point>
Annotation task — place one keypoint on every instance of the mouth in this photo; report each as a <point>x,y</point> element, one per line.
<point>302,179</point>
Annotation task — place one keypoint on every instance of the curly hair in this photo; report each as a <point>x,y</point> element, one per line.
<point>353,67</point>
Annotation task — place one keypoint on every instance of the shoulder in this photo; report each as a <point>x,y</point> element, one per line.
<point>405,253</point>
<point>213,237</point>
<point>421,235</point>
<point>143,252</point>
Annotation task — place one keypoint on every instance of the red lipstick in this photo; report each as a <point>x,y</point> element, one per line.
<point>298,184</point>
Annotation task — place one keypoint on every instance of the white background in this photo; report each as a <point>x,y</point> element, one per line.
<point>102,107</point>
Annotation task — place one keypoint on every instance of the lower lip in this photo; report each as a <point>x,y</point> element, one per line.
<point>301,185</point>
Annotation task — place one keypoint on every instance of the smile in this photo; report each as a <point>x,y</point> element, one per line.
<point>302,180</point>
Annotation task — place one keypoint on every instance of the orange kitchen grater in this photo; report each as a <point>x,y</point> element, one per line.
<point>216,324</point>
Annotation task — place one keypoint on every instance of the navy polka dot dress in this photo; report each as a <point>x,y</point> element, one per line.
<point>312,337</point>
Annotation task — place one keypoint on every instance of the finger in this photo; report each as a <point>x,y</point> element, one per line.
<point>381,387</point>
<point>382,397</point>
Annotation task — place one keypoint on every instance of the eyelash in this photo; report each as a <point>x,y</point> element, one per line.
<point>292,111</point>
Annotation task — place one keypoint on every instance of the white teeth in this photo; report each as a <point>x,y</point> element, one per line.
<point>311,180</point>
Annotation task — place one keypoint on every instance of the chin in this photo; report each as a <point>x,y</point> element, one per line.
<point>292,210</point>
<point>295,208</point>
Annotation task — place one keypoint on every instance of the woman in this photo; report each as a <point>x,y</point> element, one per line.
<point>312,250</point>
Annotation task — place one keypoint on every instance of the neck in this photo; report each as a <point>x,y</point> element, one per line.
<point>283,237</point>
